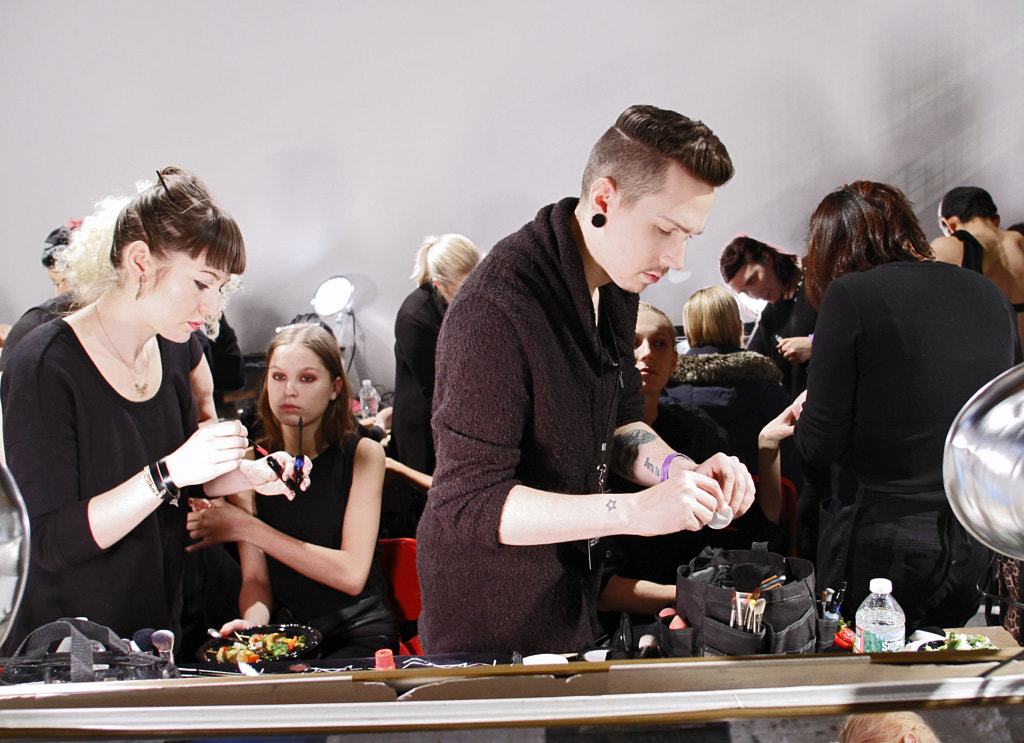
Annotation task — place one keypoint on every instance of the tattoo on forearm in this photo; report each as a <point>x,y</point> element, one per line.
<point>610,505</point>
<point>627,449</point>
<point>652,467</point>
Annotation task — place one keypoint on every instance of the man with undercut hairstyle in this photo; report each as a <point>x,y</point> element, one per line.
<point>537,397</point>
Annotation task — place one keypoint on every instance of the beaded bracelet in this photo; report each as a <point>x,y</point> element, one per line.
<point>148,479</point>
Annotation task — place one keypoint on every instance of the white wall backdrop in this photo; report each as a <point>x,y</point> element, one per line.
<point>339,133</point>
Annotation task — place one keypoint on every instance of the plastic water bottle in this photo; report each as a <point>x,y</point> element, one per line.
<point>881,625</point>
<point>369,400</point>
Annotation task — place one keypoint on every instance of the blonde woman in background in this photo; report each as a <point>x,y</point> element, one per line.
<point>741,390</point>
<point>442,264</point>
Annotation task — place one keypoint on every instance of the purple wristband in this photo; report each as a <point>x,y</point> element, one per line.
<point>667,462</point>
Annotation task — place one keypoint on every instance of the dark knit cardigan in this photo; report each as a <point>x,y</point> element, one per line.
<point>523,394</point>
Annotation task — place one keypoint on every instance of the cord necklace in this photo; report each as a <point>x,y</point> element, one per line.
<point>139,388</point>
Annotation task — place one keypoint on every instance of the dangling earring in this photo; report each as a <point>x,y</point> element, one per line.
<point>138,292</point>
<point>598,220</point>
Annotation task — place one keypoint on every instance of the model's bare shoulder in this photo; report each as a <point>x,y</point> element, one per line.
<point>948,250</point>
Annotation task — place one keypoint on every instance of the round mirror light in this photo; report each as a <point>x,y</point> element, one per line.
<point>983,464</point>
<point>14,550</point>
<point>333,296</point>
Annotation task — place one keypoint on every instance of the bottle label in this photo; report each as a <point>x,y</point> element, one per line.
<point>872,642</point>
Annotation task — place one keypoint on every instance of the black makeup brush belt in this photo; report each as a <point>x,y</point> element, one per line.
<point>706,591</point>
<point>93,653</point>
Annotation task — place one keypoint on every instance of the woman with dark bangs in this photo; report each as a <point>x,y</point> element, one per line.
<point>902,341</point>
<point>100,422</point>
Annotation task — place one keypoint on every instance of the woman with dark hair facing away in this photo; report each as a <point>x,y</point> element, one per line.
<point>786,328</point>
<point>100,423</point>
<point>971,238</point>
<point>902,342</point>
<point>442,264</point>
<point>310,560</point>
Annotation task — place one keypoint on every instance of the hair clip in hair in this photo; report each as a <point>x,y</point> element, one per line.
<point>162,183</point>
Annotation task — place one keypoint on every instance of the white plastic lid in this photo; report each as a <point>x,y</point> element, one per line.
<point>366,382</point>
<point>880,585</point>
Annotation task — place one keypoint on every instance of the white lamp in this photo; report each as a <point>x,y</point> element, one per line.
<point>333,302</point>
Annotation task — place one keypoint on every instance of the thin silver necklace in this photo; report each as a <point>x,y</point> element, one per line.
<point>140,388</point>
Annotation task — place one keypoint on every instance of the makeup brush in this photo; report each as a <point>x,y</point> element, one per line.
<point>648,646</point>
<point>747,576</point>
<point>300,462</point>
<point>163,641</point>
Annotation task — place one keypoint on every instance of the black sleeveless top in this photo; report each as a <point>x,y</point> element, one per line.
<point>317,516</point>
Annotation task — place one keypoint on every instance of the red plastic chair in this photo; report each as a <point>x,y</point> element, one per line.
<point>788,515</point>
<point>397,558</point>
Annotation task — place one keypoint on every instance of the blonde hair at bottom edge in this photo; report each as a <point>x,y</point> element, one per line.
<point>887,727</point>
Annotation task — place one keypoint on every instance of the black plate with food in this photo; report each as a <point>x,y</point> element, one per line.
<point>268,642</point>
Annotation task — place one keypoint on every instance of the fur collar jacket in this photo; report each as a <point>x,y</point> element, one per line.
<point>707,366</point>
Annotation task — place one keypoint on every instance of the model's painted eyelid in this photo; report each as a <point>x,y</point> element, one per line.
<point>277,376</point>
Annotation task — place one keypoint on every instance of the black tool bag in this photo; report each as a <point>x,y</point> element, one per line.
<point>704,593</point>
<point>96,654</point>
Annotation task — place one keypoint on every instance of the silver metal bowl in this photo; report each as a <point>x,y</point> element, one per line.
<point>983,464</point>
<point>14,549</point>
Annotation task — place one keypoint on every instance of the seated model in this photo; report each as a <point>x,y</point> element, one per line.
<point>310,560</point>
